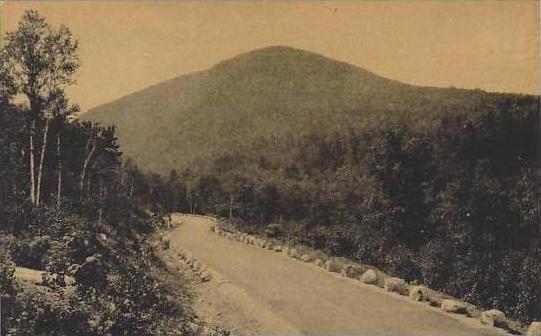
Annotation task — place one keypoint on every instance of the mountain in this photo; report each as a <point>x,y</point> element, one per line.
<point>275,92</point>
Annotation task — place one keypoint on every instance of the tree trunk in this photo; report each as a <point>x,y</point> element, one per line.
<point>230,208</point>
<point>32,168</point>
<point>190,201</point>
<point>83,172</point>
<point>41,162</point>
<point>100,210</point>
<point>59,185</point>
<point>131,187</point>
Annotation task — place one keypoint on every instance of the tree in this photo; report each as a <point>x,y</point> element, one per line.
<point>39,61</point>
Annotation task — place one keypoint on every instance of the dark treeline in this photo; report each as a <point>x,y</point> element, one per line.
<point>68,206</point>
<point>454,206</point>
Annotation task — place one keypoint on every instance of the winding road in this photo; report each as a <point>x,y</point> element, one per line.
<point>258,291</point>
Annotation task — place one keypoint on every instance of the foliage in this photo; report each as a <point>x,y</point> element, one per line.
<point>73,208</point>
<point>454,206</point>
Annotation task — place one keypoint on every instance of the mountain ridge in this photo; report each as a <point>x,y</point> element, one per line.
<point>276,92</point>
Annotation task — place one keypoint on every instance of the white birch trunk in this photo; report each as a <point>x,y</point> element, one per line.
<point>41,162</point>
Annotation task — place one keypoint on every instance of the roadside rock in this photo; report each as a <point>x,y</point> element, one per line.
<point>369,277</point>
<point>435,299</point>
<point>319,263</point>
<point>472,311</point>
<point>333,266</point>
<point>205,276</point>
<point>196,265</point>
<point>452,306</point>
<point>278,248</point>
<point>534,329</point>
<point>352,271</point>
<point>306,258</point>
<point>419,293</point>
<point>293,253</point>
<point>396,285</point>
<point>494,318</point>
<point>285,250</point>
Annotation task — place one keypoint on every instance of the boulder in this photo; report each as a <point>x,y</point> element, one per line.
<point>369,277</point>
<point>285,250</point>
<point>473,311</point>
<point>333,266</point>
<point>293,253</point>
<point>453,306</point>
<point>205,276</point>
<point>435,299</point>
<point>196,265</point>
<point>396,285</point>
<point>494,318</point>
<point>269,246</point>
<point>306,258</point>
<point>352,271</point>
<point>277,248</point>
<point>319,263</point>
<point>419,293</point>
<point>534,329</point>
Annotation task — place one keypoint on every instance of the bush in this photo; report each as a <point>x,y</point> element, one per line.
<point>7,282</point>
<point>402,262</point>
<point>42,311</point>
<point>529,289</point>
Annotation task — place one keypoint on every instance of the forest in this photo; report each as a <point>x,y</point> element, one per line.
<point>454,206</point>
<point>69,207</point>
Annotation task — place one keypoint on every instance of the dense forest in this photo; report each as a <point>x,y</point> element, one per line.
<point>68,206</point>
<point>454,206</point>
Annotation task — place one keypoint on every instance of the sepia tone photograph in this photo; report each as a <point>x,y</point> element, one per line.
<point>217,168</point>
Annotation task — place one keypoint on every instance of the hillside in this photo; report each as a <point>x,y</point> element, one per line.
<point>276,92</point>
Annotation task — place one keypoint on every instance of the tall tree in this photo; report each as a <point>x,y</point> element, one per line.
<point>40,61</point>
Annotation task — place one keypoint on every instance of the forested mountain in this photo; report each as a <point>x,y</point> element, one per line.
<point>276,94</point>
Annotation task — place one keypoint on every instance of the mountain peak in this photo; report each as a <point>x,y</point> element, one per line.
<point>289,62</point>
<point>276,92</point>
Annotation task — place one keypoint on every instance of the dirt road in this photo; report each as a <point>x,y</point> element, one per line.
<point>258,291</point>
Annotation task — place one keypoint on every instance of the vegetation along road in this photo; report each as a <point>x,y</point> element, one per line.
<point>267,292</point>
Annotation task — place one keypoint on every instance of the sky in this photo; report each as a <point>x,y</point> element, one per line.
<point>127,46</point>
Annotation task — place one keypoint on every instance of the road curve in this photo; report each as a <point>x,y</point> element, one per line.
<point>291,297</point>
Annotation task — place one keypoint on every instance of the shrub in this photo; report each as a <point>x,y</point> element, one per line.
<point>401,261</point>
<point>529,289</point>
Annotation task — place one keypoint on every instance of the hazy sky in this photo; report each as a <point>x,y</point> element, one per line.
<point>127,46</point>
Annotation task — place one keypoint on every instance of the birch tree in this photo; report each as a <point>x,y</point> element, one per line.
<point>40,62</point>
